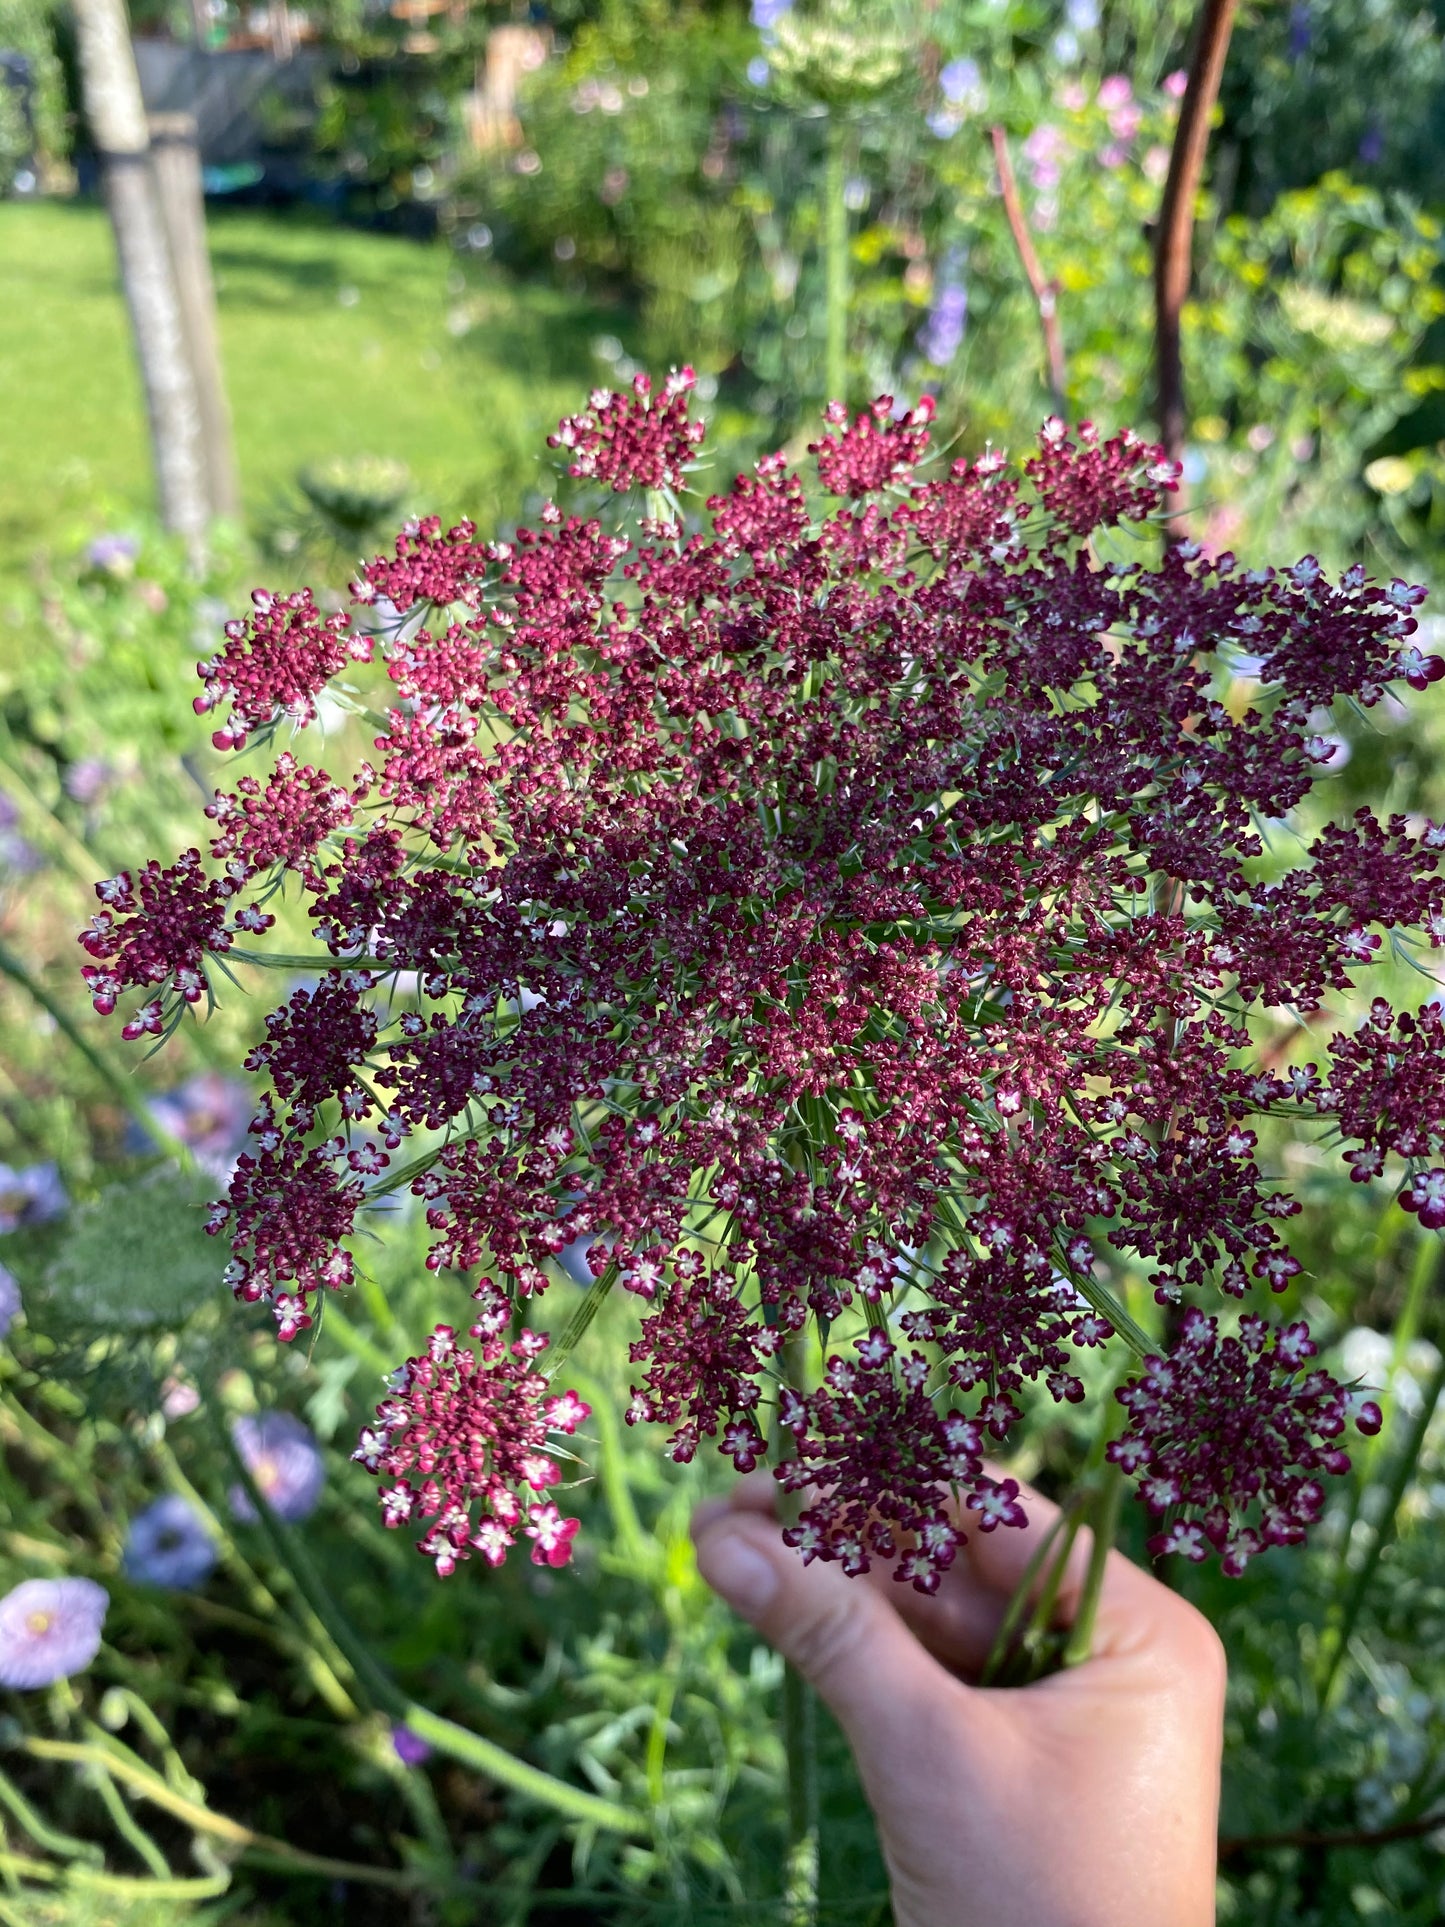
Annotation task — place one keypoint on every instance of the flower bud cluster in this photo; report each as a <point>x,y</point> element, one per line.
<point>464,1438</point>
<point>275,664</point>
<point>633,441</point>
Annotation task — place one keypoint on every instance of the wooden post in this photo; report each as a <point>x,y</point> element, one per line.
<point>111,92</point>
<point>1174,238</point>
<point>176,165</point>
<point>282,29</point>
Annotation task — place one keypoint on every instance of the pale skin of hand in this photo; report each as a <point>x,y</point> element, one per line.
<point>1087,1800</point>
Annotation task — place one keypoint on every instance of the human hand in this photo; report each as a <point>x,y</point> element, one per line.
<point>1087,1800</point>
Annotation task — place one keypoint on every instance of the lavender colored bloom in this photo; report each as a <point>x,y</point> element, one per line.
<point>168,1545</point>
<point>758,71</point>
<point>18,856</point>
<point>87,780</point>
<point>1372,144</point>
<point>284,1459</point>
<point>944,123</point>
<point>962,84</point>
<point>209,1114</point>
<point>1083,15</point>
<point>941,336</point>
<point>115,554</point>
<point>9,1300</point>
<point>765,14</point>
<point>32,1196</point>
<point>49,1629</point>
<point>411,1748</point>
<point>1301,30</point>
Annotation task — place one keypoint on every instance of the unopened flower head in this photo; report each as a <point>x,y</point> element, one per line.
<point>169,1545</point>
<point>843,913</point>
<point>411,1749</point>
<point>282,1456</point>
<point>49,1629</point>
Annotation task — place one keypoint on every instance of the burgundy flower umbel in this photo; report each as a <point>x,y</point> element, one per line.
<point>842,912</point>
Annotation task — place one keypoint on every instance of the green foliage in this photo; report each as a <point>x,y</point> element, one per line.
<point>1321,85</point>
<point>333,343</point>
<point>624,183</point>
<point>134,1258</point>
<point>27,27</point>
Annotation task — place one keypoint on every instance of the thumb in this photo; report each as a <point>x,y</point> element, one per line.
<point>841,1634</point>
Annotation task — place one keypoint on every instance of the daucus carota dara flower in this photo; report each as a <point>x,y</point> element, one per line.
<point>842,912</point>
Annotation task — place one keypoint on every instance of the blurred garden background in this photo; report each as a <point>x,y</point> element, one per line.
<point>432,228</point>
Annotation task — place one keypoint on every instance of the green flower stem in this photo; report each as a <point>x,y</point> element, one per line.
<point>150,1786</point>
<point>1427,1278</point>
<point>637,1548</point>
<point>320,1667</point>
<point>835,250</point>
<point>1336,1641</point>
<point>999,1652</point>
<point>483,1756</point>
<point>16,1866</point>
<point>416,1789</point>
<point>354,1340</point>
<point>174,1766</point>
<point>49,1839</point>
<point>1107,1305</point>
<point>1105,1524</point>
<point>800,1724</point>
<point>42,1443</point>
<point>577,1324</point>
<point>126,1824</point>
<point>124,1092</point>
<point>61,841</point>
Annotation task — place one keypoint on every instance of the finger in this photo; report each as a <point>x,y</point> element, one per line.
<point>843,1637</point>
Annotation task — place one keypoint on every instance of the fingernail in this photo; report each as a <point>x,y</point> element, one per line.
<point>738,1572</point>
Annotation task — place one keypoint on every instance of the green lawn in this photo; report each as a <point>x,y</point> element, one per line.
<point>335,343</point>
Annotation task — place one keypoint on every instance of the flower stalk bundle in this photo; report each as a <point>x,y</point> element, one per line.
<point>841,922</point>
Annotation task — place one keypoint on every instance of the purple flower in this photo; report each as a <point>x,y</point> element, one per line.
<point>962,84</point>
<point>18,855</point>
<point>9,1300</point>
<point>941,336</point>
<point>209,1114</point>
<point>32,1196</point>
<point>49,1629</point>
<point>765,14</point>
<point>1301,30</point>
<point>1372,144</point>
<point>282,1456</point>
<point>168,1545</point>
<point>411,1748</point>
<point>87,780</point>
<point>758,71</point>
<point>115,554</point>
